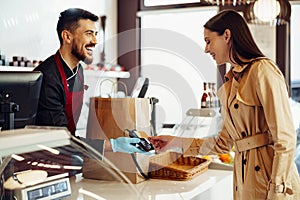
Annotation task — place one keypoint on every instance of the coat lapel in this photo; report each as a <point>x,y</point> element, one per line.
<point>226,95</point>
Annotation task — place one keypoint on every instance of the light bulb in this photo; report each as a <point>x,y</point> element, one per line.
<point>266,10</point>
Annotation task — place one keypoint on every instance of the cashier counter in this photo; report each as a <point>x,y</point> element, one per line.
<point>214,184</point>
<point>211,185</point>
<point>30,179</point>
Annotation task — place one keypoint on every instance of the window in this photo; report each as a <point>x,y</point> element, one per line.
<point>167,2</point>
<point>295,42</point>
<point>173,58</point>
<point>295,49</point>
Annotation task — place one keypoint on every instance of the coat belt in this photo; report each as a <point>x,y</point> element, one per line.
<point>280,188</point>
<point>254,141</point>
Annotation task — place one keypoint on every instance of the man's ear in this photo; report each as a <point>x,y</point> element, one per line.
<point>66,36</point>
<point>227,35</point>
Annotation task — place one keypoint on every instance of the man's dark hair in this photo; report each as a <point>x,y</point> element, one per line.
<point>68,20</point>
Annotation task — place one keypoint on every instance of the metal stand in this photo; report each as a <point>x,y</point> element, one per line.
<point>153,102</point>
<point>191,114</point>
<point>204,112</point>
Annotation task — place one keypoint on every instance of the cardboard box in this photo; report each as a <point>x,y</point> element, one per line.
<point>167,165</point>
<point>123,162</point>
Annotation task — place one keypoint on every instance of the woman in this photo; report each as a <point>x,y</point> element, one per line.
<point>257,119</point>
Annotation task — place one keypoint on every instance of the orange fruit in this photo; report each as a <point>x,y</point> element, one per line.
<point>226,158</point>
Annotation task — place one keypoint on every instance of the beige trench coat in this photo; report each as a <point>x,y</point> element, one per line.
<point>254,100</point>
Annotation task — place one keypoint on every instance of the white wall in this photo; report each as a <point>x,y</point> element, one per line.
<point>295,41</point>
<point>28,28</point>
<point>265,38</point>
<point>173,58</point>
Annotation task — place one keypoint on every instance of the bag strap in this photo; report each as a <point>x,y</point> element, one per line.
<point>100,86</point>
<point>138,167</point>
<point>116,89</point>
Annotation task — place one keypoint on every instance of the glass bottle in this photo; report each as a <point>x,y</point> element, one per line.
<point>209,91</point>
<point>215,99</point>
<point>205,100</point>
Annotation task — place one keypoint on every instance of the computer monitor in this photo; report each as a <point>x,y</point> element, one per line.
<point>140,88</point>
<point>19,97</point>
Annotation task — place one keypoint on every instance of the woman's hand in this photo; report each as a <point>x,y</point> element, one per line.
<point>165,142</point>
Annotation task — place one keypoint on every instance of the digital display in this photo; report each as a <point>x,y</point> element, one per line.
<point>47,190</point>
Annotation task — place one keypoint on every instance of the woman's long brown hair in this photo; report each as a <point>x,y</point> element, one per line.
<point>243,44</point>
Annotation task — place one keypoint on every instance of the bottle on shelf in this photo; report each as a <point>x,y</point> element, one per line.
<point>209,91</point>
<point>215,99</point>
<point>205,99</point>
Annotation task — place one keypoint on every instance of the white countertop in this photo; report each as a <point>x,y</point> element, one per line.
<point>210,185</point>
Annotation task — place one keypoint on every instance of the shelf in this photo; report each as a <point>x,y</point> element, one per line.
<point>95,73</point>
<point>106,74</point>
<point>15,68</point>
<point>203,112</point>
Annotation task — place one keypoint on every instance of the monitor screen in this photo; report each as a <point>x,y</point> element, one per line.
<point>140,87</point>
<point>19,97</point>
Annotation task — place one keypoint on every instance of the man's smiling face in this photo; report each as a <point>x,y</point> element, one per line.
<point>84,41</point>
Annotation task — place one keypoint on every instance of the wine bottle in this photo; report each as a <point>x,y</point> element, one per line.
<point>209,91</point>
<point>205,100</point>
<point>215,99</point>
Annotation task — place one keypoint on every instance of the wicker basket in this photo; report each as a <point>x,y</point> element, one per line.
<point>174,166</point>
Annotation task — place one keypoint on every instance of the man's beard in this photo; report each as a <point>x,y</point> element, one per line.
<point>81,56</point>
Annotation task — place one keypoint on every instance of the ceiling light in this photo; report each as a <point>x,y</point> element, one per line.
<point>266,10</point>
<point>272,12</point>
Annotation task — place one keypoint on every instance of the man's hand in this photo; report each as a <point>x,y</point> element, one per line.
<point>125,144</point>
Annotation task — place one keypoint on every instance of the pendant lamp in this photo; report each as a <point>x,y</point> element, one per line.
<point>266,10</point>
<point>272,12</point>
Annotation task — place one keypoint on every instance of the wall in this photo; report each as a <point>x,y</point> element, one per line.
<point>173,58</point>
<point>265,38</point>
<point>28,28</point>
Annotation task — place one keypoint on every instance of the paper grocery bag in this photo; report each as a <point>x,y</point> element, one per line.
<point>109,117</point>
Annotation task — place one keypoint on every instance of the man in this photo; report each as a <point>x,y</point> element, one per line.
<point>62,90</point>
